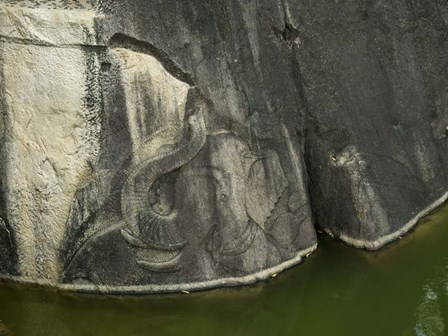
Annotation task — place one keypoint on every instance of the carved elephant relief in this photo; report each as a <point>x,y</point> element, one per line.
<point>218,212</point>
<point>134,175</point>
<point>182,202</point>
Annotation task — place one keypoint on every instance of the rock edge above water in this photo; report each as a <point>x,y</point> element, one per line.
<point>172,146</point>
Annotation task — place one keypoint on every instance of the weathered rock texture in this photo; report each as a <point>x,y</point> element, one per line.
<point>169,145</point>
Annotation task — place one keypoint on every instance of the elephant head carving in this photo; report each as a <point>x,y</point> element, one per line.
<point>224,194</point>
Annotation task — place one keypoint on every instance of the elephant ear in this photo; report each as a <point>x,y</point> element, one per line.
<point>265,184</point>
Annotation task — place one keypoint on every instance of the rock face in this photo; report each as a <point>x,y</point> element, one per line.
<point>164,146</point>
<point>375,91</point>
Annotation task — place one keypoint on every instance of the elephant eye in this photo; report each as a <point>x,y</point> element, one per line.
<point>223,197</point>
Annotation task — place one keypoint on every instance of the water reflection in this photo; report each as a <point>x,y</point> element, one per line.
<point>432,313</point>
<point>402,290</point>
<point>445,278</point>
<point>429,316</point>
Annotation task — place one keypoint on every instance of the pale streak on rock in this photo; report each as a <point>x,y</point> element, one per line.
<point>366,202</point>
<point>46,137</point>
<point>47,27</point>
<point>148,88</point>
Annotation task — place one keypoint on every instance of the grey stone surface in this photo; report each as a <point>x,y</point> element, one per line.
<point>374,75</point>
<point>171,145</point>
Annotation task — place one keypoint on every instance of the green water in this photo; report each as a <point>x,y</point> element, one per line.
<point>401,290</point>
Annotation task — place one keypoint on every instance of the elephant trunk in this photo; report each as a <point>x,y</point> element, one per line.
<point>156,230</point>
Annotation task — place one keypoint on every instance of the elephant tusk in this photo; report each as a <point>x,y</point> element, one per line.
<point>241,244</point>
<point>164,247</point>
<point>134,241</point>
<point>165,266</point>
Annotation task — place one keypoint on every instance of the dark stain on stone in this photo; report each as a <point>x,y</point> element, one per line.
<point>289,35</point>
